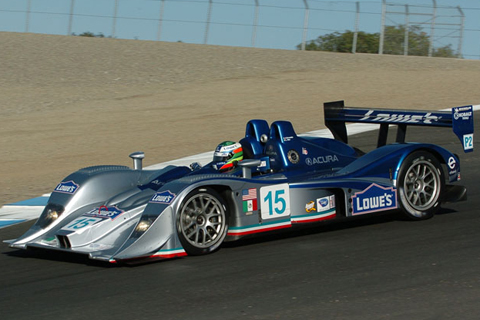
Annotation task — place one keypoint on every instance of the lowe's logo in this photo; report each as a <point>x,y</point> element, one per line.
<point>374,198</point>
<point>164,197</point>
<point>66,187</point>
<point>104,212</point>
<point>373,115</point>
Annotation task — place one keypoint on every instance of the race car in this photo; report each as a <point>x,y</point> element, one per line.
<point>271,179</point>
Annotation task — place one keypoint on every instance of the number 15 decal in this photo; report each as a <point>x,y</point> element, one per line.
<point>275,201</point>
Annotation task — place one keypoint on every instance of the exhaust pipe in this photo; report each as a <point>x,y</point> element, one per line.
<point>137,159</point>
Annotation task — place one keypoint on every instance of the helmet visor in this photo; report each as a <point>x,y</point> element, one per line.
<point>222,156</point>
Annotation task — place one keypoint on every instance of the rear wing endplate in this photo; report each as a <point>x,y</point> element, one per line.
<point>460,119</point>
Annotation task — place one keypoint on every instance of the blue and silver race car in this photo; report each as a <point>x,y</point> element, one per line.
<point>272,179</point>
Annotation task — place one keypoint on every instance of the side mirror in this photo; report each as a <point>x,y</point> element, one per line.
<point>247,166</point>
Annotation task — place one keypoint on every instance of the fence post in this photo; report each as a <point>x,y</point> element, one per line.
<point>160,20</point>
<point>355,35</point>
<point>209,16</point>
<point>382,28</point>
<point>70,22</point>
<point>27,18</point>
<point>460,41</point>
<point>407,26</point>
<point>255,24</point>
<point>114,25</point>
<point>305,24</point>
<point>432,28</point>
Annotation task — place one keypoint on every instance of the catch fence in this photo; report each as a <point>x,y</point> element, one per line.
<point>278,24</point>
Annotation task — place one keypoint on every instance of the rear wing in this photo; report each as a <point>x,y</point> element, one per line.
<point>459,118</point>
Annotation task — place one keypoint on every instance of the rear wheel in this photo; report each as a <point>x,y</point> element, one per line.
<point>420,183</point>
<point>202,222</point>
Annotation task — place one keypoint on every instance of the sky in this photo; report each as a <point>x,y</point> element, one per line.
<point>276,24</point>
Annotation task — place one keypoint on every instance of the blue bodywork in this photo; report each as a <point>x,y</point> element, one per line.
<point>114,213</point>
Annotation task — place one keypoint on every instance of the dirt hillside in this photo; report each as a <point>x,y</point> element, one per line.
<point>71,102</point>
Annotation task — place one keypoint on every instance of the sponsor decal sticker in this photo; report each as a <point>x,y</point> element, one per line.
<point>326,203</point>
<point>309,207</point>
<point>104,212</point>
<point>452,163</point>
<point>304,151</point>
<point>164,197</point>
<point>373,115</point>
<point>463,112</point>
<point>226,148</point>
<point>321,160</point>
<point>293,156</point>
<point>249,198</point>
<point>374,198</point>
<point>69,187</point>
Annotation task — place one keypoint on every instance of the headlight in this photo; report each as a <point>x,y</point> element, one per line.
<point>51,213</point>
<point>142,226</point>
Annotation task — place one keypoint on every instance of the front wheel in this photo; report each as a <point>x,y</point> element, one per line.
<point>202,222</point>
<point>420,183</point>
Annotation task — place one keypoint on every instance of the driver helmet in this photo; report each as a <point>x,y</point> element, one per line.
<point>226,155</point>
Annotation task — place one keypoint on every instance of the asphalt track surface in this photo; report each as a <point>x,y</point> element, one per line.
<point>378,267</point>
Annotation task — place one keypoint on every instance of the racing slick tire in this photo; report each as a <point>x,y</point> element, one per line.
<point>420,184</point>
<point>202,223</point>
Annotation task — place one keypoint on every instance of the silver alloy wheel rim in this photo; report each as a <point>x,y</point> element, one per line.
<point>202,220</point>
<point>421,185</point>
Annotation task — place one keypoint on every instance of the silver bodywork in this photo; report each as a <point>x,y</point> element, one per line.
<point>90,225</point>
